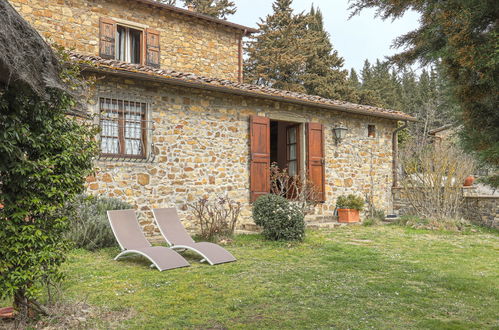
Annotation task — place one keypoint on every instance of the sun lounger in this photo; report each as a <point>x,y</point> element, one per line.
<point>177,237</point>
<point>133,242</point>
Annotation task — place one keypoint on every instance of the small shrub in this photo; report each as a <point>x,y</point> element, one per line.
<point>375,217</point>
<point>280,219</point>
<point>350,202</point>
<point>216,218</point>
<point>432,179</point>
<point>451,224</point>
<point>88,224</point>
<point>298,188</point>
<point>371,222</point>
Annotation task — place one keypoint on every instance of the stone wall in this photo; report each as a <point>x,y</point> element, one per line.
<point>201,139</point>
<point>482,210</point>
<point>479,209</point>
<point>187,44</point>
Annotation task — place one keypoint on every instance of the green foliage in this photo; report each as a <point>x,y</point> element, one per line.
<point>294,52</point>
<point>45,156</point>
<point>168,2</point>
<point>215,8</point>
<point>491,180</point>
<point>323,74</point>
<point>449,224</point>
<point>425,96</point>
<point>350,202</point>
<point>277,55</point>
<point>375,217</point>
<point>280,219</point>
<point>370,222</point>
<point>88,224</point>
<point>460,35</point>
<point>449,280</point>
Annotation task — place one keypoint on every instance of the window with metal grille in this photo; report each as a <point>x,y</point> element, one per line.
<point>123,128</point>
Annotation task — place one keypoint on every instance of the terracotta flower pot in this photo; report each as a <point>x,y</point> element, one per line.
<point>468,182</point>
<point>348,215</point>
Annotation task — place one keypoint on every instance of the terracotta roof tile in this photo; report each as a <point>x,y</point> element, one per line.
<point>172,77</point>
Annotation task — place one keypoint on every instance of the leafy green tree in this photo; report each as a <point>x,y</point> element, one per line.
<point>45,156</point>
<point>215,8</point>
<point>462,35</point>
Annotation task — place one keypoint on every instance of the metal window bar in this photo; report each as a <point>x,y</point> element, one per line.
<point>125,130</point>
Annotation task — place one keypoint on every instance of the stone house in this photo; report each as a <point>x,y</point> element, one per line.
<point>177,123</point>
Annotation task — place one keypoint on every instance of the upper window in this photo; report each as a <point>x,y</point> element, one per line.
<point>129,44</point>
<point>371,131</point>
<point>123,128</point>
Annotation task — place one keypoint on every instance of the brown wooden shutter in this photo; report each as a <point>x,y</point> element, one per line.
<point>152,48</point>
<point>315,158</point>
<point>107,38</point>
<point>260,157</point>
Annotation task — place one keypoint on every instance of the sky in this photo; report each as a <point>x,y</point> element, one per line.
<point>361,37</point>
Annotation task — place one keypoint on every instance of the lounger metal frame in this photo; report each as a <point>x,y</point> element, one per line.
<point>182,247</point>
<point>130,252</point>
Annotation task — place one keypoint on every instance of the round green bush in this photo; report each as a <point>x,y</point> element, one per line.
<point>280,219</point>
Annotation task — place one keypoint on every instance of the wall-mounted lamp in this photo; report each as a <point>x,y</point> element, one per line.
<point>339,133</point>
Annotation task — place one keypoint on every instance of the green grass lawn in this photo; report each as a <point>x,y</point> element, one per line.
<point>353,277</point>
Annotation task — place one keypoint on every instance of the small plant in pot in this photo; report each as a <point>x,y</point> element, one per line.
<point>349,208</point>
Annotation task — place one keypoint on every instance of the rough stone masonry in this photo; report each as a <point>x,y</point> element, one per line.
<point>201,141</point>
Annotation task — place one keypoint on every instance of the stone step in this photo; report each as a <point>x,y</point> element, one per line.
<point>251,227</point>
<point>328,225</point>
<point>312,219</point>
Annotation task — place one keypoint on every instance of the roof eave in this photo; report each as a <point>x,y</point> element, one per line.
<point>246,30</point>
<point>234,91</point>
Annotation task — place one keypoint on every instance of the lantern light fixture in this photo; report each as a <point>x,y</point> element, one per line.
<point>339,133</point>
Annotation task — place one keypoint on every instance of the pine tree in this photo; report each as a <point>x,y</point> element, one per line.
<point>277,56</point>
<point>215,8</point>
<point>368,94</point>
<point>324,75</point>
<point>461,35</point>
<point>353,79</point>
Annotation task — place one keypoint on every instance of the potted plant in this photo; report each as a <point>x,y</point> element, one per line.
<point>349,208</point>
<point>468,182</point>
